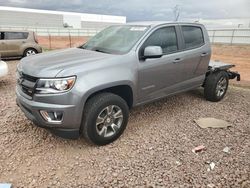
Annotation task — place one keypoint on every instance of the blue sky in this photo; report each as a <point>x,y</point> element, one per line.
<point>136,10</point>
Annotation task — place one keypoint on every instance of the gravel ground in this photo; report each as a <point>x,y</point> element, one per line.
<point>154,151</point>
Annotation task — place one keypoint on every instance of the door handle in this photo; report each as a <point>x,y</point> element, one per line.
<point>204,54</point>
<point>177,60</point>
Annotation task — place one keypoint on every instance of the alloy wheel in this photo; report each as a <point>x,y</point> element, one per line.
<point>221,86</point>
<point>30,52</point>
<point>109,121</point>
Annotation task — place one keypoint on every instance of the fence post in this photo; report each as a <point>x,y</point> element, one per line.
<point>69,39</point>
<point>213,37</point>
<point>78,39</point>
<point>49,41</point>
<point>232,37</point>
<point>87,32</point>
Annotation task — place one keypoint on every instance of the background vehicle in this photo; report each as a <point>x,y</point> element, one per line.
<point>3,69</point>
<point>90,89</point>
<point>18,44</point>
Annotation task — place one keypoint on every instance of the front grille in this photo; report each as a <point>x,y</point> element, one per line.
<point>29,78</point>
<point>27,83</point>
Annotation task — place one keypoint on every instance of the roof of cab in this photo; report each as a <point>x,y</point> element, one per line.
<point>157,23</point>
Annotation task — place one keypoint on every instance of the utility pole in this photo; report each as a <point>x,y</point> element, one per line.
<point>176,11</point>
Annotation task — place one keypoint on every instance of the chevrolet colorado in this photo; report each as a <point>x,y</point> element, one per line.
<point>89,90</point>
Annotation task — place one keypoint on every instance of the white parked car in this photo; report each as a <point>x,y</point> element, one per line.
<point>3,69</point>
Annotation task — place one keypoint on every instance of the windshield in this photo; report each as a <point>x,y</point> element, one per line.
<point>115,39</point>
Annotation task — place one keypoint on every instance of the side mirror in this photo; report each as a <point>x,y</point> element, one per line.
<point>152,52</point>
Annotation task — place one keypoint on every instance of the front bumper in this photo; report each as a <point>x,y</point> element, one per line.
<point>68,128</point>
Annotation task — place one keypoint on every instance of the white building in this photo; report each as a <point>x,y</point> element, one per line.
<point>23,17</point>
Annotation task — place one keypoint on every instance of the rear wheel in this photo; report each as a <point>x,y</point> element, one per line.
<point>105,118</point>
<point>216,85</point>
<point>29,52</point>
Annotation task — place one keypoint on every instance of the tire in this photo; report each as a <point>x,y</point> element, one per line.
<point>104,107</point>
<point>215,86</point>
<point>29,52</point>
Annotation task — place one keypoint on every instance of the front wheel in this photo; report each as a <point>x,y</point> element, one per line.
<point>216,85</point>
<point>105,118</point>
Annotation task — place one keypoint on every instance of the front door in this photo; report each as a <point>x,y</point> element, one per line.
<point>159,77</point>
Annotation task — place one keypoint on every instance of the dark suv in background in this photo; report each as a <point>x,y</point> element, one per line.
<point>18,44</point>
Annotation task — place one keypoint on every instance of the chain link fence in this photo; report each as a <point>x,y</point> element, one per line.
<point>53,38</point>
<point>230,36</point>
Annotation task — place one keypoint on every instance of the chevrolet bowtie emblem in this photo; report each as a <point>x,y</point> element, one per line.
<point>20,81</point>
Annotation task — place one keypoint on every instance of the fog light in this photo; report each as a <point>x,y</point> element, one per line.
<point>52,116</point>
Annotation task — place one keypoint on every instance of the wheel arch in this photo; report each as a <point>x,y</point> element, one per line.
<point>124,90</point>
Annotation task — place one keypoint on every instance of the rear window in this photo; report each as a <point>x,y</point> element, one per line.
<point>15,35</point>
<point>193,36</point>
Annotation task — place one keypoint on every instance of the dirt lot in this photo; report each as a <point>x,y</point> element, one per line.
<point>154,151</point>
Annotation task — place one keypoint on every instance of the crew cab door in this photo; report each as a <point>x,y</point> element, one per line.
<point>158,77</point>
<point>196,52</point>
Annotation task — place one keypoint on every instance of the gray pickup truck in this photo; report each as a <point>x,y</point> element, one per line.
<point>89,90</point>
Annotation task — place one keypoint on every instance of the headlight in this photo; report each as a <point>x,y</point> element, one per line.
<point>57,85</point>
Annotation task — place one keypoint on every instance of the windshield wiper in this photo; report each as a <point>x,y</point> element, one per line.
<point>94,49</point>
<point>99,50</point>
<point>82,47</point>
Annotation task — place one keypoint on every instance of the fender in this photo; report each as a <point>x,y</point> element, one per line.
<point>106,86</point>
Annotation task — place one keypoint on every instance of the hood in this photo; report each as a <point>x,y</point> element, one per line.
<point>49,64</point>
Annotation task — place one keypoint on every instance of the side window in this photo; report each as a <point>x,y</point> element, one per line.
<point>25,35</point>
<point>193,36</point>
<point>15,35</point>
<point>1,35</point>
<point>165,38</point>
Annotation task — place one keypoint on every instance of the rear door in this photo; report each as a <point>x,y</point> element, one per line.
<point>14,42</point>
<point>196,53</point>
<point>3,47</point>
